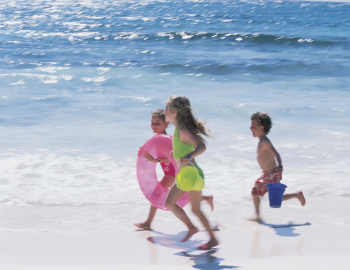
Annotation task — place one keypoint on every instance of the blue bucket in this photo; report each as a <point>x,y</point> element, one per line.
<point>276,191</point>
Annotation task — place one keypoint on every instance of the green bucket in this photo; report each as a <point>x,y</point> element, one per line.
<point>188,179</point>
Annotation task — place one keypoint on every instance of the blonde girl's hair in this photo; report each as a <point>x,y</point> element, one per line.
<point>185,116</point>
<point>160,114</point>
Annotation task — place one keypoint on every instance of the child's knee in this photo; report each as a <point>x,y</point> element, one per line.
<point>255,192</point>
<point>255,197</point>
<point>168,204</point>
<point>196,210</point>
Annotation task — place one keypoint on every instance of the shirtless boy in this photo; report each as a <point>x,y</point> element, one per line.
<point>269,161</point>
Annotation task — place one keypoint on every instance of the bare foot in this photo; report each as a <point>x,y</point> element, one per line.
<point>301,198</point>
<point>210,200</point>
<point>212,243</point>
<point>255,218</point>
<point>144,225</point>
<point>191,232</point>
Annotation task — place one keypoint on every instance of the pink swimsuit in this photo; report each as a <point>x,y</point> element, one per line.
<point>168,168</point>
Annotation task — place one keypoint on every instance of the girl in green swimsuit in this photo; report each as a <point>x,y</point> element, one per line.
<point>187,144</point>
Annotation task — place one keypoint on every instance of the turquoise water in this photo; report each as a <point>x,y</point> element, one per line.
<point>78,82</point>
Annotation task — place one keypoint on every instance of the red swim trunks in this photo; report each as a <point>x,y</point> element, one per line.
<point>168,168</point>
<point>271,176</point>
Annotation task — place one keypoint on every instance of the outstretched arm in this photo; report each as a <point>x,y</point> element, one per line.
<point>152,159</point>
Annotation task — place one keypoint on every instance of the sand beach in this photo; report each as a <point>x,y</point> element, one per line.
<point>299,247</point>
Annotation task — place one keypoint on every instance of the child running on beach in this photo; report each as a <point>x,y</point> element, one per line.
<point>159,125</point>
<point>269,161</point>
<point>187,144</point>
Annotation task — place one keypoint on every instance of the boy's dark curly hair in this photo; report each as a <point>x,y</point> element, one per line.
<point>264,120</point>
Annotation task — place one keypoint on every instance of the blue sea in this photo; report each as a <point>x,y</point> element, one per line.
<point>79,79</point>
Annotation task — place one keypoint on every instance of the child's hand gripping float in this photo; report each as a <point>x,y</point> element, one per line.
<point>158,146</point>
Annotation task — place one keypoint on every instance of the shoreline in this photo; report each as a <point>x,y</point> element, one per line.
<point>113,218</point>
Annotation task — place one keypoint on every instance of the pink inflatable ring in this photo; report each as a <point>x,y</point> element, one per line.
<point>158,146</point>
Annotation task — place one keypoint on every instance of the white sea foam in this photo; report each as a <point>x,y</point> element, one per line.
<point>13,22</point>
<point>19,82</point>
<point>103,69</point>
<point>96,79</point>
<point>78,187</point>
<point>140,98</point>
<point>305,40</point>
<point>36,98</point>
<point>335,133</point>
<point>50,81</point>
<point>75,25</point>
<point>51,69</point>
<point>67,77</point>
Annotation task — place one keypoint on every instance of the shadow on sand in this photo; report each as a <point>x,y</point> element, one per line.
<point>286,230</point>
<point>202,260</point>
<point>206,260</point>
<point>173,241</point>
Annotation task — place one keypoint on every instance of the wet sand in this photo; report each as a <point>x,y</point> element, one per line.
<point>268,247</point>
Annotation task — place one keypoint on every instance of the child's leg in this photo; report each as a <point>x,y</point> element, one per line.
<point>259,189</point>
<point>299,195</point>
<point>210,200</point>
<point>166,182</point>
<point>147,223</point>
<point>196,198</point>
<point>256,201</point>
<point>174,194</point>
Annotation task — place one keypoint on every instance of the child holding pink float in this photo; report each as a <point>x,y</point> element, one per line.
<point>159,125</point>
<point>187,144</point>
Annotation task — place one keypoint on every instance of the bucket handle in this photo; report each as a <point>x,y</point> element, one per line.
<point>193,166</point>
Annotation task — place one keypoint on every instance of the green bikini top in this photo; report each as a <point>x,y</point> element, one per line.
<point>180,149</point>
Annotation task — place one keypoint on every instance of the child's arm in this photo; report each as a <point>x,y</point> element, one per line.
<point>268,145</point>
<point>189,138</point>
<point>152,159</point>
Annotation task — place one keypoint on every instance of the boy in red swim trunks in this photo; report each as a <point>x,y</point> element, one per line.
<point>269,161</point>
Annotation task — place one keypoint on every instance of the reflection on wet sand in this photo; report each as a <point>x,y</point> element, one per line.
<point>206,260</point>
<point>173,241</point>
<point>202,260</point>
<point>277,248</point>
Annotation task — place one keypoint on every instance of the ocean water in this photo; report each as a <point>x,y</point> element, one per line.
<point>79,79</point>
